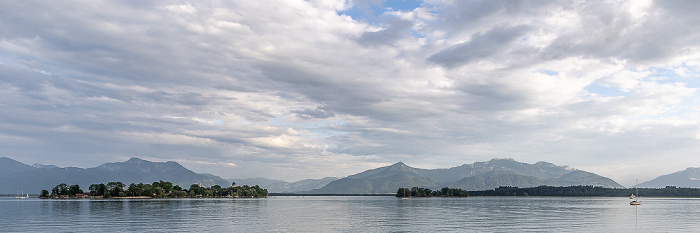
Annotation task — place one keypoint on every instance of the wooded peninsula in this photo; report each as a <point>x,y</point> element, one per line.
<point>571,191</point>
<point>159,189</point>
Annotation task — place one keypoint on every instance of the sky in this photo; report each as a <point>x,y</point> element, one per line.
<point>297,89</point>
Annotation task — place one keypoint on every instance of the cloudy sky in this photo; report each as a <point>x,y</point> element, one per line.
<point>299,89</point>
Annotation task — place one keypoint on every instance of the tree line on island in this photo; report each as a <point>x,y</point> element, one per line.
<point>426,192</point>
<point>580,191</point>
<point>158,189</point>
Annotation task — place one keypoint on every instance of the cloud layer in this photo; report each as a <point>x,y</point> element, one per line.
<point>304,89</point>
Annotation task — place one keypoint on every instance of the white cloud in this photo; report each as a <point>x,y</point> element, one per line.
<point>257,84</point>
<point>181,9</point>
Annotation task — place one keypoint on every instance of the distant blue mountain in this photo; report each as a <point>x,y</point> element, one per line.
<point>19,177</point>
<point>9,166</point>
<point>476,176</point>
<point>280,186</point>
<point>688,178</point>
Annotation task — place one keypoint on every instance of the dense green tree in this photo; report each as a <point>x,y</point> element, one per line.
<point>403,192</point>
<point>97,190</point>
<point>133,190</point>
<point>93,189</point>
<point>196,190</point>
<point>101,190</point>
<point>147,190</point>
<point>55,191</point>
<point>165,189</point>
<point>425,192</point>
<point>74,189</point>
<point>115,189</point>
<point>44,194</point>
<point>178,194</point>
<point>63,189</point>
<point>159,192</point>
<point>167,186</point>
<point>245,191</point>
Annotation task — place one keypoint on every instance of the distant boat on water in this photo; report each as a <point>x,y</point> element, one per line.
<point>22,196</point>
<point>404,195</point>
<point>635,201</point>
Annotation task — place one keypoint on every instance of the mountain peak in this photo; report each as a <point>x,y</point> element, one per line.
<point>136,160</point>
<point>545,164</point>
<point>15,175</point>
<point>11,165</point>
<point>689,178</point>
<point>477,176</point>
<point>501,160</point>
<point>505,159</point>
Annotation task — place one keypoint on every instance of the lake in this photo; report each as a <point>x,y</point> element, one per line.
<point>352,214</point>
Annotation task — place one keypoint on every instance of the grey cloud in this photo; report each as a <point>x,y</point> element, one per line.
<point>480,46</point>
<point>122,78</point>
<point>495,97</point>
<point>388,36</point>
<point>112,44</point>
<point>187,99</point>
<point>681,9</point>
<point>21,78</point>
<point>317,113</point>
<point>466,12</point>
<point>460,16</point>
<point>335,91</point>
<point>611,32</point>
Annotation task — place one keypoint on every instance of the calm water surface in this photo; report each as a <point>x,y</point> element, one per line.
<point>352,214</point>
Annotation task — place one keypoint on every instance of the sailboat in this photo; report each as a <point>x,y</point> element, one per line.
<point>635,201</point>
<point>22,196</point>
<point>404,195</point>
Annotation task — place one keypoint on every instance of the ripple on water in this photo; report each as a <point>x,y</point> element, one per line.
<point>352,214</point>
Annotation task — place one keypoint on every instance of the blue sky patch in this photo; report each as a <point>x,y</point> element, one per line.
<point>370,12</point>
<point>604,91</point>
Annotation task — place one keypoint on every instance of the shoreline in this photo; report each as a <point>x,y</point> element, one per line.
<point>327,194</point>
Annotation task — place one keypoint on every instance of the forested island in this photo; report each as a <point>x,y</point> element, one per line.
<point>571,191</point>
<point>425,192</point>
<point>159,189</point>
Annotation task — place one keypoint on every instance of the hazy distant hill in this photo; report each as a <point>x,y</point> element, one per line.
<point>10,166</point>
<point>19,177</point>
<point>36,165</point>
<point>476,176</point>
<point>262,182</point>
<point>494,179</point>
<point>217,179</point>
<point>688,178</point>
<point>280,186</point>
<point>578,177</point>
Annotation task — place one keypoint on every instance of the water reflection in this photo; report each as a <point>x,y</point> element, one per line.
<point>352,214</point>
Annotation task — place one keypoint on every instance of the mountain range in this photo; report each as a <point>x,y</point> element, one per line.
<point>688,178</point>
<point>476,176</point>
<point>19,177</point>
<point>16,176</point>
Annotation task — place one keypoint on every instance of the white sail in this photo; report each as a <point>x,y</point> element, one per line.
<point>636,201</point>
